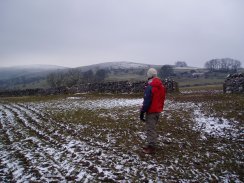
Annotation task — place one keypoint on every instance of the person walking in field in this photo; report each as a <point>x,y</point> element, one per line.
<point>153,103</point>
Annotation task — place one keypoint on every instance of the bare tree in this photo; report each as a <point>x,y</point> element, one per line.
<point>223,65</point>
<point>166,71</point>
<point>180,64</point>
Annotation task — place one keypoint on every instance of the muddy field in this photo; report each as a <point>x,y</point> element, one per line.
<point>99,138</point>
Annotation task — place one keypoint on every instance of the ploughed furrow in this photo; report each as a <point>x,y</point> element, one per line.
<point>75,150</point>
<point>54,127</point>
<point>52,130</point>
<point>13,161</point>
<point>5,174</point>
<point>33,127</point>
<point>66,153</point>
<point>79,154</point>
<point>32,108</point>
<point>24,154</point>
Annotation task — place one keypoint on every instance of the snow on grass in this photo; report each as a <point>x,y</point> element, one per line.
<point>218,127</point>
<point>201,91</point>
<point>214,126</point>
<point>103,104</point>
<point>74,103</point>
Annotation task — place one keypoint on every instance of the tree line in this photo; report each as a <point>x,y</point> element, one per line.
<point>223,65</point>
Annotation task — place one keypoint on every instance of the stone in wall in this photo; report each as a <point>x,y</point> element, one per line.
<point>234,83</point>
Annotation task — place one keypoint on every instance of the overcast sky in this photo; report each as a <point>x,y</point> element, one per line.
<point>83,32</point>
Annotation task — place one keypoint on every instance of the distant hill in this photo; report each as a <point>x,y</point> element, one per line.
<point>21,76</point>
<point>120,70</point>
<point>123,65</point>
<point>27,71</point>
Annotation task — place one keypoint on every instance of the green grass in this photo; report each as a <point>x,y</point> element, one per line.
<point>205,87</point>
<point>199,81</point>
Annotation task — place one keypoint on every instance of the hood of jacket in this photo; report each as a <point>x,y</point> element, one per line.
<point>155,82</point>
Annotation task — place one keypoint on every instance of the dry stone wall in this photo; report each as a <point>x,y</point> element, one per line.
<point>234,83</point>
<point>106,87</point>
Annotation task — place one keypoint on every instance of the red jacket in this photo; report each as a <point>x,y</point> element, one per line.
<point>154,96</point>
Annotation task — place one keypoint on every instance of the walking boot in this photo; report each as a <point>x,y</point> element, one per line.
<point>149,150</point>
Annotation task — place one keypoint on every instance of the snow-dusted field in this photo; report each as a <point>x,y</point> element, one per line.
<point>99,139</point>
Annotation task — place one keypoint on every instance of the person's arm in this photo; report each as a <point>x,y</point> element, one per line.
<point>147,99</point>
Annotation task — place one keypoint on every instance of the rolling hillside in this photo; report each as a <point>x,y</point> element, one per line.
<point>29,76</point>
<point>27,71</point>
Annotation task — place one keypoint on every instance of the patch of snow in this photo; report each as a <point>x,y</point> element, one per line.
<point>218,127</point>
<point>118,167</point>
<point>142,135</point>
<point>73,98</point>
<point>202,91</point>
<point>75,103</point>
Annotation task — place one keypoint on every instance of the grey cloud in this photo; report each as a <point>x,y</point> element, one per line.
<point>83,32</point>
